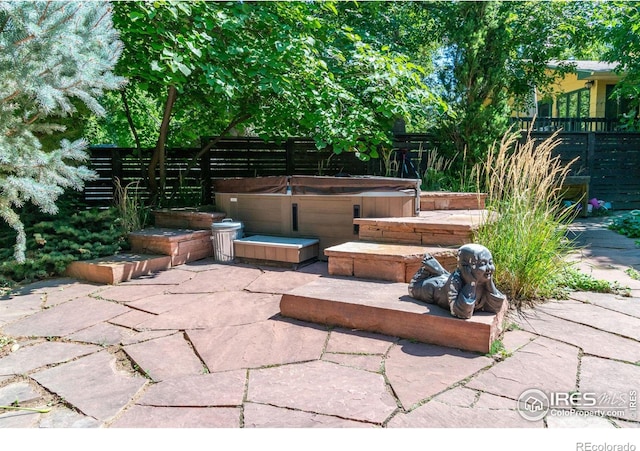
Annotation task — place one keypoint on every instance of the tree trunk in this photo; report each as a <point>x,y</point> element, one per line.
<point>132,127</point>
<point>194,161</point>
<point>157,160</point>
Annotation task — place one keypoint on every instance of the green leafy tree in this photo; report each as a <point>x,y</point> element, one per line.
<point>51,53</point>
<point>492,55</point>
<point>276,68</point>
<point>619,23</point>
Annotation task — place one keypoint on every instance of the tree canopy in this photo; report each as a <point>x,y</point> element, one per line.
<point>619,24</point>
<point>276,68</point>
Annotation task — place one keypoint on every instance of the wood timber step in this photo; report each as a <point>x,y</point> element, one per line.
<point>182,245</point>
<point>384,261</point>
<point>386,308</point>
<point>118,268</point>
<point>437,227</point>
<point>444,200</point>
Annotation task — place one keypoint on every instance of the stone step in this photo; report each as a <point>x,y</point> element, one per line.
<point>182,245</point>
<point>437,227</point>
<point>275,249</point>
<point>444,200</point>
<point>384,261</point>
<point>118,268</point>
<point>386,308</point>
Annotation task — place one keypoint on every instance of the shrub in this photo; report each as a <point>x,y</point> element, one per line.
<point>628,224</point>
<point>54,241</point>
<point>527,235</point>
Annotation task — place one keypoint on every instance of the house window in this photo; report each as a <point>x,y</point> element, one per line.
<point>574,104</point>
<point>545,108</point>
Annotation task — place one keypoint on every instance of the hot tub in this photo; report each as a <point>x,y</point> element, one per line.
<point>315,207</point>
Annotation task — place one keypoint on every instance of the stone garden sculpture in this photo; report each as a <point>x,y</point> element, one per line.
<point>469,288</point>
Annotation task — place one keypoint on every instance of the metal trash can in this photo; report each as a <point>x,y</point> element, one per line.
<point>222,234</point>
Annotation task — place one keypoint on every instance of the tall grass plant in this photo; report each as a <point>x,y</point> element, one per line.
<point>527,235</point>
<point>133,214</point>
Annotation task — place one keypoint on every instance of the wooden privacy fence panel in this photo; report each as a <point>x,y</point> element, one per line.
<point>124,164</point>
<point>612,160</point>
<point>229,158</point>
<point>614,165</point>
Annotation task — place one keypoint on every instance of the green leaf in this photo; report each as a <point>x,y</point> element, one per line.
<point>194,50</point>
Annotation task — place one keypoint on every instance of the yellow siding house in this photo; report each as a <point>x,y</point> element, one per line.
<point>579,101</point>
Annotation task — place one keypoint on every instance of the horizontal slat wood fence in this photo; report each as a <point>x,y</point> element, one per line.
<point>612,160</point>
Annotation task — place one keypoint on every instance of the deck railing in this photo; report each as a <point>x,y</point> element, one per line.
<point>568,124</point>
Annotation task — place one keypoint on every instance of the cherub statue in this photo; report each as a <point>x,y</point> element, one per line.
<point>469,288</point>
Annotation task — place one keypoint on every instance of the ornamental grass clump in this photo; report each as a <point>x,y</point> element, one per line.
<point>528,234</point>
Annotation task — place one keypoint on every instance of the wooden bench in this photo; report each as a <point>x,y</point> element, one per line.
<point>576,189</point>
<point>384,261</point>
<point>276,249</point>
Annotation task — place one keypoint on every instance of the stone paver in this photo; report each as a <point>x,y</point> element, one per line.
<point>29,358</point>
<point>65,290</point>
<point>225,278</point>
<point>67,418</point>
<point>18,392</point>
<point>265,416</point>
<point>627,305</point>
<point>92,384</point>
<point>417,371</point>
<point>179,417</point>
<point>106,334</point>
<point>440,415</point>
<point>372,363</point>
<point>103,334</point>
<point>258,344</point>
<point>323,388</point>
<point>591,341</point>
<point>16,307</point>
<point>594,316</point>
<point>615,384</point>
<point>19,419</point>
<point>176,276</point>
<point>219,355</point>
<point>279,282</point>
<point>128,293</point>
<point>205,390</point>
<point>543,364</point>
<point>161,303</point>
<point>342,340</point>
<point>65,318</point>
<point>165,357</point>
<point>132,319</point>
<point>217,310</point>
